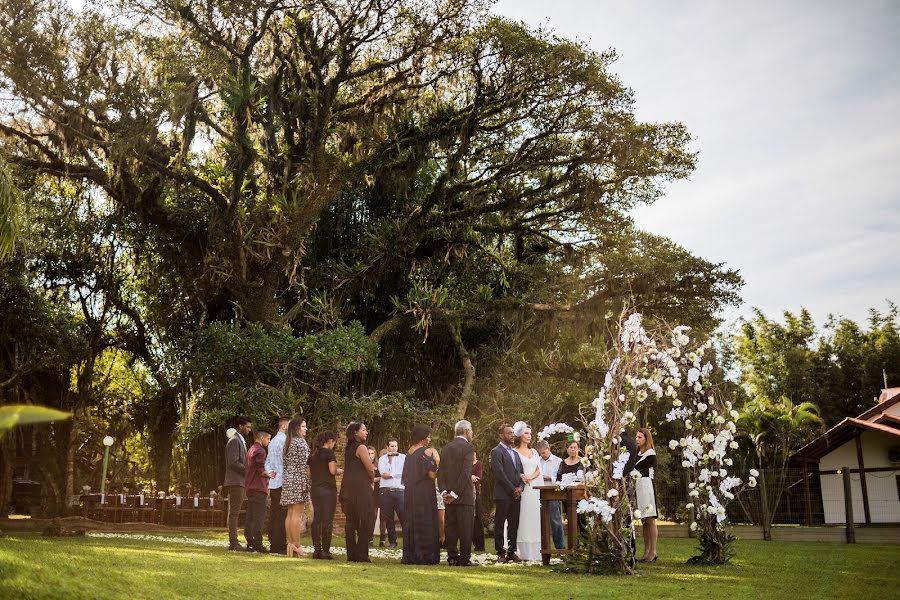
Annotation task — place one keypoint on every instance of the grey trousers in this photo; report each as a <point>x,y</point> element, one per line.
<point>235,498</point>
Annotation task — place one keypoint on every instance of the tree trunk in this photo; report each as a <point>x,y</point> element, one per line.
<point>468,366</point>
<point>7,446</point>
<point>71,442</point>
<point>162,436</point>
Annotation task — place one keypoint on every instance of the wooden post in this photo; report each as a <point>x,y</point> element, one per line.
<point>806,494</point>
<point>764,505</point>
<point>848,506</point>
<point>545,529</point>
<point>862,478</point>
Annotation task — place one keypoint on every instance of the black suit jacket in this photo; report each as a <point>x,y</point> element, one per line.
<point>455,472</point>
<point>507,473</point>
<point>631,445</point>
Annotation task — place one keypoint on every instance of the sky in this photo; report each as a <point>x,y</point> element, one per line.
<point>795,111</point>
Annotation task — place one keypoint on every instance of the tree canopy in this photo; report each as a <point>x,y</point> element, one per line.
<point>344,207</point>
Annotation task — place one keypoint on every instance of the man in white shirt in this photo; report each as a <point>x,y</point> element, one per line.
<point>391,489</point>
<point>277,513</point>
<point>549,468</point>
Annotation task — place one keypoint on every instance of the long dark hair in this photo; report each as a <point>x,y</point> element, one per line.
<point>293,426</point>
<point>352,429</point>
<point>322,439</point>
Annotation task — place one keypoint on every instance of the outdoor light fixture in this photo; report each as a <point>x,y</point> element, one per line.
<point>107,442</point>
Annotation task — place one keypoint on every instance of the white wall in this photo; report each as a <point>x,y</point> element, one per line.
<point>884,503</point>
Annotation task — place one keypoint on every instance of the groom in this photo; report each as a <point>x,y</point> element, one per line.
<point>507,468</point>
<point>458,491</point>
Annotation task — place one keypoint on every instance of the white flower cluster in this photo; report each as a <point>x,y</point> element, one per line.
<point>678,414</point>
<point>553,429</point>
<point>633,332</point>
<point>597,506</point>
<point>570,479</point>
<point>619,465</point>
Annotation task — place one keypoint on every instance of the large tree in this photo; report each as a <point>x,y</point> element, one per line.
<point>435,173</point>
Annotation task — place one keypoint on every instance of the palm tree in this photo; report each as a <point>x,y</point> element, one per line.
<point>777,429</point>
<point>9,213</point>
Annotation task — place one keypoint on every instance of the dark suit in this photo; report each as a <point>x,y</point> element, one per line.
<point>455,475</point>
<point>507,472</point>
<point>235,470</point>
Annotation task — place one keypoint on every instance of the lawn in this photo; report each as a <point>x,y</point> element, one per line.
<point>32,566</point>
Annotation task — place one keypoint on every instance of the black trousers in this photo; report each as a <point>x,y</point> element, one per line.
<point>235,498</point>
<point>256,516</point>
<point>324,503</point>
<point>360,523</point>
<point>391,502</point>
<point>478,526</point>
<point>277,514</point>
<point>507,513</point>
<point>458,520</point>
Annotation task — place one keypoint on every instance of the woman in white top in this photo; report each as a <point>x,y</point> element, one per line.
<point>528,540</point>
<point>645,492</point>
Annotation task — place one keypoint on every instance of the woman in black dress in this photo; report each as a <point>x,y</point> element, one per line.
<point>356,493</point>
<point>572,462</point>
<point>420,531</point>
<point>323,468</point>
<point>645,491</point>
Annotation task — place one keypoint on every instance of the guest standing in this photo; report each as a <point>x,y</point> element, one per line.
<point>528,542</point>
<point>235,472</point>
<point>295,491</point>
<point>378,528</point>
<point>455,481</point>
<point>439,500</point>
<point>390,469</point>
<point>277,513</point>
<point>549,468</point>
<point>420,531</point>
<point>506,467</point>
<point>646,492</point>
<point>323,468</point>
<point>256,482</point>
<point>356,493</point>
<point>478,525</point>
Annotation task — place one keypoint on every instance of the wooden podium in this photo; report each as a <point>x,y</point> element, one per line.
<point>570,495</point>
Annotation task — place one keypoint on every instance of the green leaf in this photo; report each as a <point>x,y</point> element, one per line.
<point>25,414</point>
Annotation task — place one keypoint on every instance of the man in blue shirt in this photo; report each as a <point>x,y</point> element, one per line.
<point>277,513</point>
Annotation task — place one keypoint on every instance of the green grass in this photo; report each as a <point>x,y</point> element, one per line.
<point>32,566</point>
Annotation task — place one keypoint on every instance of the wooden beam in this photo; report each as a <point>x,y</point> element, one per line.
<point>862,477</point>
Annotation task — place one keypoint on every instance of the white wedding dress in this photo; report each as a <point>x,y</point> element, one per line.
<point>528,541</point>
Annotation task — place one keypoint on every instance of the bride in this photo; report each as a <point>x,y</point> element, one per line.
<point>528,540</point>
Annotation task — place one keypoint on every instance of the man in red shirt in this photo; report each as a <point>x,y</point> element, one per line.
<point>256,483</point>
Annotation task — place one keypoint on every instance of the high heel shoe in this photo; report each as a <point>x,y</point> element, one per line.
<point>294,551</point>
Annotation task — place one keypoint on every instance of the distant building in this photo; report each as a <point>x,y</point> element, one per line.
<point>869,447</point>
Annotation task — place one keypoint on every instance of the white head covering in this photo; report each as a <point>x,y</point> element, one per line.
<point>519,428</point>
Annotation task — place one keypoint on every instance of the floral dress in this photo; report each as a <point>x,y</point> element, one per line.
<point>295,489</point>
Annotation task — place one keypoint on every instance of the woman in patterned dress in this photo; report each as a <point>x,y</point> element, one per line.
<point>296,486</point>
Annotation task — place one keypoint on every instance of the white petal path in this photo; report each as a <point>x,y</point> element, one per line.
<point>483,559</point>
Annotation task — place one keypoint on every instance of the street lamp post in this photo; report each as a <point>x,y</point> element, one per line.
<point>107,442</point>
